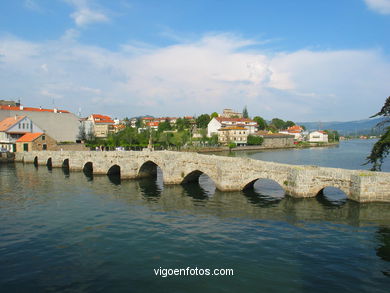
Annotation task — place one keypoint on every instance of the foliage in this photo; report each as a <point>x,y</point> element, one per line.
<point>245,112</point>
<point>381,148</point>
<point>261,122</point>
<point>289,124</point>
<point>203,120</point>
<point>82,134</point>
<point>182,123</point>
<point>232,145</point>
<point>214,115</point>
<point>164,126</point>
<point>254,140</point>
<point>279,124</point>
<point>333,135</point>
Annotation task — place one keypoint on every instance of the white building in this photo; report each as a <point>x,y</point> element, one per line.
<point>220,122</point>
<point>12,128</point>
<point>318,136</point>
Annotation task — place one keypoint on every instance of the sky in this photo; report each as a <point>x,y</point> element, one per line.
<point>300,60</point>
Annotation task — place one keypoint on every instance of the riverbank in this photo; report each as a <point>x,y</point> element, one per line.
<point>259,147</point>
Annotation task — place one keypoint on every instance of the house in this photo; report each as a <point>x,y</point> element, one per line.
<point>219,122</point>
<point>37,141</point>
<point>12,128</point>
<point>296,131</point>
<point>61,125</point>
<point>152,125</point>
<point>318,136</point>
<point>275,140</point>
<point>235,134</point>
<point>229,113</point>
<point>102,125</point>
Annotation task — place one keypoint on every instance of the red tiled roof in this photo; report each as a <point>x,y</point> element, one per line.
<point>295,128</point>
<point>152,123</point>
<point>9,122</point>
<point>28,137</point>
<point>17,108</point>
<point>97,118</point>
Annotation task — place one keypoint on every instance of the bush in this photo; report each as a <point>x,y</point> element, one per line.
<point>254,140</point>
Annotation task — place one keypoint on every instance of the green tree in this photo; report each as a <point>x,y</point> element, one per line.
<point>213,115</point>
<point>245,112</point>
<point>333,135</point>
<point>254,140</point>
<point>381,148</point>
<point>279,124</point>
<point>163,126</point>
<point>289,124</point>
<point>203,120</point>
<point>261,122</point>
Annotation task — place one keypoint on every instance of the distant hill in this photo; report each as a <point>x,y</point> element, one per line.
<point>365,126</point>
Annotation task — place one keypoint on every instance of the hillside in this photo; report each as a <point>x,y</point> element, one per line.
<point>365,126</point>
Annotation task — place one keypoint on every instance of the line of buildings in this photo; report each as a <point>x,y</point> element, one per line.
<point>56,129</point>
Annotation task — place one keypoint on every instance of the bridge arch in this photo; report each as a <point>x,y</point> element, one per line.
<point>266,186</point>
<point>49,163</point>
<point>36,161</point>
<point>148,169</point>
<point>65,164</point>
<point>332,195</point>
<point>88,168</point>
<point>114,170</point>
<point>206,184</point>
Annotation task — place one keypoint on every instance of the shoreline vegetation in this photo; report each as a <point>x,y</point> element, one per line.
<point>259,147</point>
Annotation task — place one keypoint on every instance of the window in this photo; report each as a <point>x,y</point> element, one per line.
<point>19,126</point>
<point>44,147</point>
<point>43,137</point>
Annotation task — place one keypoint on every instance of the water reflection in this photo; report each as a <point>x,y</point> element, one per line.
<point>150,188</point>
<point>114,178</point>
<point>332,197</point>
<point>383,250</point>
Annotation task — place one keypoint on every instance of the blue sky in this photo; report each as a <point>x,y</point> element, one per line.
<point>299,60</point>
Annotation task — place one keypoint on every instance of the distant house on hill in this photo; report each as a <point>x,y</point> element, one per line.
<point>220,122</point>
<point>38,141</point>
<point>229,113</point>
<point>61,125</point>
<point>12,128</point>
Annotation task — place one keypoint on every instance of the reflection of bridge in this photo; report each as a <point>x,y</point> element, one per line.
<point>228,174</point>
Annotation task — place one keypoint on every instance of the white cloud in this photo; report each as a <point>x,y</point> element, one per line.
<point>188,78</point>
<point>380,6</point>
<point>84,14</point>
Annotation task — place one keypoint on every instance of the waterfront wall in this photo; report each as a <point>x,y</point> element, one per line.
<point>228,174</point>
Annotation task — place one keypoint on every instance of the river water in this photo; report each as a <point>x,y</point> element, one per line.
<point>71,232</point>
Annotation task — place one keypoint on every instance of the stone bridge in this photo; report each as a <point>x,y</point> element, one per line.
<point>228,174</point>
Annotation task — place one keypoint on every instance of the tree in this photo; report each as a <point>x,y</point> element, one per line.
<point>203,120</point>
<point>166,125</point>
<point>82,133</point>
<point>261,122</point>
<point>289,124</point>
<point>381,148</point>
<point>333,135</point>
<point>278,123</point>
<point>245,112</point>
<point>254,140</point>
<point>214,115</point>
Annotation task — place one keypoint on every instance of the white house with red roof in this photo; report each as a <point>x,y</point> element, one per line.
<point>12,128</point>
<point>218,122</point>
<point>295,130</point>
